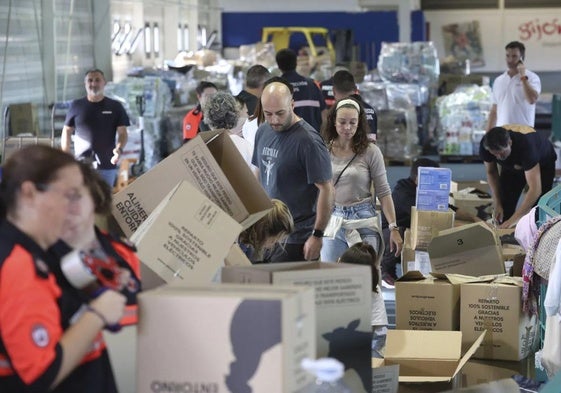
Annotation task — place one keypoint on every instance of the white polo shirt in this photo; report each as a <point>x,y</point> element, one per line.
<point>512,105</point>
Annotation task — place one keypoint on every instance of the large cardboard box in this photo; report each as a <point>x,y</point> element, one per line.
<point>472,250</point>
<point>15,143</point>
<point>414,260</point>
<point>473,204</point>
<point>186,242</point>
<point>426,224</point>
<point>344,309</point>
<point>225,338</point>
<point>426,303</point>
<point>214,165</point>
<point>496,307</point>
<point>478,371</point>
<point>428,360</point>
<point>24,119</point>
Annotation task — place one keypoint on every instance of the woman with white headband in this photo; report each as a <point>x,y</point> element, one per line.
<point>358,168</point>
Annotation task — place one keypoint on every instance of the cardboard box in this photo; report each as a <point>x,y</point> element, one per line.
<point>344,309</point>
<point>24,119</point>
<point>433,188</point>
<point>186,242</point>
<point>426,356</point>
<point>426,303</point>
<point>481,185</point>
<point>414,260</point>
<point>214,165</point>
<point>225,338</point>
<point>477,371</point>
<point>513,258</point>
<point>496,307</point>
<point>236,257</point>
<point>472,250</point>
<point>426,224</point>
<point>473,204</point>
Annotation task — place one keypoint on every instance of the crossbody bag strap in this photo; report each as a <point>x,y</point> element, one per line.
<point>340,174</point>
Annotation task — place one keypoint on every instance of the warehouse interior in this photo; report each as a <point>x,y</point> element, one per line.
<point>426,66</point>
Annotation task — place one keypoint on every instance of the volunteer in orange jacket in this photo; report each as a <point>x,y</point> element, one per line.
<point>112,260</point>
<point>193,121</point>
<point>44,345</point>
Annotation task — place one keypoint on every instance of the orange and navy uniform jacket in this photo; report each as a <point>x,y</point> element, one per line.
<point>35,310</point>
<point>124,254</point>
<point>192,122</point>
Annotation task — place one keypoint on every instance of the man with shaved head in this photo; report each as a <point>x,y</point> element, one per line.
<point>295,167</point>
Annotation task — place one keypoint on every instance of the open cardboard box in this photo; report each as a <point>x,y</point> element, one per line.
<point>213,164</point>
<point>427,355</point>
<point>425,224</point>
<point>472,250</point>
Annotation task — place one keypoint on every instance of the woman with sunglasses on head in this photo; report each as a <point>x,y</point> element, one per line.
<point>44,346</point>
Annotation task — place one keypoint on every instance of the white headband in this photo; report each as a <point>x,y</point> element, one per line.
<point>348,101</point>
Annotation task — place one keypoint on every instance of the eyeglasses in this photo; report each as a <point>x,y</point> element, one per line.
<point>70,195</point>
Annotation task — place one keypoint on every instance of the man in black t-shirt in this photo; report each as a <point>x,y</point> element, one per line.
<point>525,157</point>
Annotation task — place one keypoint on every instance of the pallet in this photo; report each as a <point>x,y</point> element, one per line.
<point>458,159</point>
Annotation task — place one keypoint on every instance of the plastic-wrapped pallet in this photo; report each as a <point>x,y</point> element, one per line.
<point>415,62</point>
<point>397,133</point>
<point>463,119</point>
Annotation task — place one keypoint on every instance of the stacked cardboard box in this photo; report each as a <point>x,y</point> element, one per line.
<point>225,338</point>
<point>343,307</point>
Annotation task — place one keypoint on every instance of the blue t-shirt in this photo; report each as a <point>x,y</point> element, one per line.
<point>290,162</point>
<point>95,128</point>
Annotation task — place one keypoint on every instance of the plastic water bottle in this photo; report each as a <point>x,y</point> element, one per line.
<point>328,372</point>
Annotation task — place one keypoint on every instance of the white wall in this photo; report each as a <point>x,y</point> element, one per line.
<point>288,5</point>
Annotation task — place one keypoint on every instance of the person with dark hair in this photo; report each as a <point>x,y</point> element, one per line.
<point>358,167</point>
<point>294,167</point>
<point>404,196</point>
<point>255,78</point>
<point>120,267</point>
<point>515,92</point>
<point>364,254</point>
<point>308,100</point>
<point>193,121</point>
<point>44,345</point>
<point>526,157</point>
<point>344,86</point>
<point>95,120</point>
<point>326,87</point>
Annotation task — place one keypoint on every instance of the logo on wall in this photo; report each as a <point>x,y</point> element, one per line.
<point>462,41</point>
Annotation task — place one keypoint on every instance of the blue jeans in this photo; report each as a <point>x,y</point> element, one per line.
<point>109,175</point>
<point>333,248</point>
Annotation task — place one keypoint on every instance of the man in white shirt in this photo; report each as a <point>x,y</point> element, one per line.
<point>515,92</point>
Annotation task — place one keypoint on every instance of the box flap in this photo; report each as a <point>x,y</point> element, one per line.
<point>412,275</point>
<point>236,257</point>
<point>242,180</point>
<point>469,353</point>
<point>423,344</point>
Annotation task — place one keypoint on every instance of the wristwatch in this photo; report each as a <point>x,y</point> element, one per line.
<point>393,226</point>
<point>317,233</point>
<point>524,78</point>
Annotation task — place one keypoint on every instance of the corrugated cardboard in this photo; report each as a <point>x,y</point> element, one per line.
<point>344,308</point>
<point>473,204</point>
<point>413,260</point>
<point>214,165</point>
<point>24,119</point>
<point>13,144</point>
<point>426,224</point>
<point>472,250</point>
<point>236,257</point>
<point>186,242</point>
<point>426,303</point>
<point>477,184</point>
<point>497,307</point>
<point>513,257</point>
<point>427,356</point>
<point>225,338</point>
<point>477,371</point>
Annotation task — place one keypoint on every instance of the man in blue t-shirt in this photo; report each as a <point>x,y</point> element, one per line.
<point>525,157</point>
<point>96,121</point>
<point>295,167</point>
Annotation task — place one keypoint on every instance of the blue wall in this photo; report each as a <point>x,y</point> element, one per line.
<point>370,28</point>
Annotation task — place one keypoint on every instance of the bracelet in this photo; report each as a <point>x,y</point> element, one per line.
<point>393,226</point>
<point>524,78</point>
<point>100,315</point>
